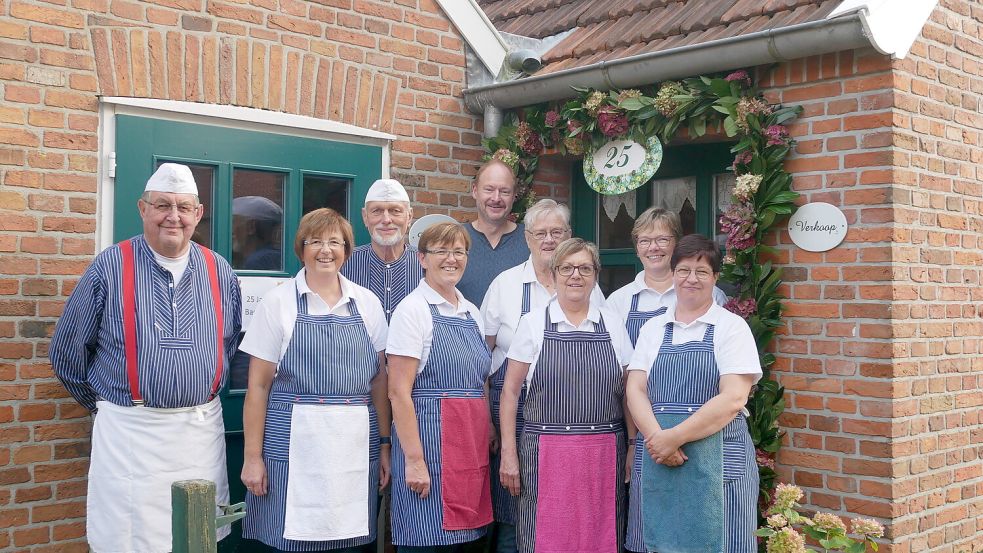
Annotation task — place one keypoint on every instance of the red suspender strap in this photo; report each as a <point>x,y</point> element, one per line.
<point>219,324</point>
<point>130,320</point>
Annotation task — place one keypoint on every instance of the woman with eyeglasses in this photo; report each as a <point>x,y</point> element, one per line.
<point>688,382</point>
<point>438,365</point>
<point>654,234</point>
<point>547,223</point>
<point>567,467</point>
<point>316,415</point>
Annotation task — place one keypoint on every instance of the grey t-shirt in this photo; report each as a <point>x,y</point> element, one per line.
<point>485,263</point>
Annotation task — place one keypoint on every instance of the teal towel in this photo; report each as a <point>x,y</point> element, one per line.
<point>683,507</point>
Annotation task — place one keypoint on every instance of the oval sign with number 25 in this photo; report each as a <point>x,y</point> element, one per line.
<point>619,166</point>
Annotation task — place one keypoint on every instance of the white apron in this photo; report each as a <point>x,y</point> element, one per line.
<point>137,453</point>
<point>326,497</point>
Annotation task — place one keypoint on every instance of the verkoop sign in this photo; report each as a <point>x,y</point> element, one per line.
<point>817,227</point>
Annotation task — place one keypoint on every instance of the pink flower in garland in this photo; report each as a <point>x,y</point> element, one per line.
<point>552,118</point>
<point>740,225</point>
<point>764,458</point>
<point>777,135</point>
<point>744,308</point>
<point>528,139</point>
<point>612,121</point>
<point>742,158</point>
<point>739,76</point>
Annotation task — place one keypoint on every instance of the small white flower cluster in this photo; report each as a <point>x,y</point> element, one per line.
<point>746,186</point>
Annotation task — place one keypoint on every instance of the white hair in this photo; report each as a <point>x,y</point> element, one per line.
<point>543,208</point>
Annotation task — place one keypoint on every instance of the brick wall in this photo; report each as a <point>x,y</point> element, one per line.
<point>397,66</point>
<point>880,355</point>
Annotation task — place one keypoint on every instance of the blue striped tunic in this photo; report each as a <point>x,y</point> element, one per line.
<point>176,341</point>
<point>683,378</point>
<point>457,367</point>
<point>330,360</point>
<point>390,282</point>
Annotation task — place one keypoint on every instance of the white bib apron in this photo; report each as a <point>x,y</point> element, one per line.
<point>326,497</point>
<point>137,453</point>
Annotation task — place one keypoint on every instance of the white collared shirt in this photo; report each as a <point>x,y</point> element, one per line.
<point>650,299</point>
<point>733,344</point>
<point>411,327</point>
<point>272,325</point>
<point>502,306</point>
<point>528,341</point>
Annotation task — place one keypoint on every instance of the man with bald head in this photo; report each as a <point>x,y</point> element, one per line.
<point>497,243</point>
<point>144,343</point>
<point>387,265</point>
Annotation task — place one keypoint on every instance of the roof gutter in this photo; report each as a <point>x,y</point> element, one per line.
<point>774,45</point>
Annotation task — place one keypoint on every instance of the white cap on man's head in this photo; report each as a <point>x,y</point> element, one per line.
<point>386,190</point>
<point>174,178</point>
<point>257,207</point>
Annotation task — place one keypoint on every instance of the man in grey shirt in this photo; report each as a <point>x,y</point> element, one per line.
<point>497,243</point>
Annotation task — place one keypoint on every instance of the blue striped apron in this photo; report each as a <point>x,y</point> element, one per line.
<point>577,388</point>
<point>633,539</point>
<point>683,378</point>
<point>505,505</point>
<point>330,360</point>
<point>457,367</point>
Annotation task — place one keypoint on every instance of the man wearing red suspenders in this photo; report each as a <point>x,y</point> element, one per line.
<point>144,342</point>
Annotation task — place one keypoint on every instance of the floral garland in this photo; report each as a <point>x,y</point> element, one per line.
<point>762,193</point>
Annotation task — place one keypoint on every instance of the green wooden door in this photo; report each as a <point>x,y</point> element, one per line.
<point>693,181</point>
<point>233,168</point>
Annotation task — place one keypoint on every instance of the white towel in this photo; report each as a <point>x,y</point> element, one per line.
<point>328,478</point>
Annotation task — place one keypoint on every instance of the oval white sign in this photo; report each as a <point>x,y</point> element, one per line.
<point>817,227</point>
<point>619,157</point>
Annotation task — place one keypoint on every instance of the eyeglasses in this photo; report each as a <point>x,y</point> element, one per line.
<point>456,254</point>
<point>661,241</point>
<point>316,244</point>
<point>701,274</point>
<point>554,233</point>
<point>584,270</point>
<point>184,208</point>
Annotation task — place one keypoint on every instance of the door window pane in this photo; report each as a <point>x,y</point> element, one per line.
<point>723,191</point>
<point>204,179</point>
<point>257,220</point>
<point>613,277</point>
<point>615,218</point>
<point>679,196</point>
<point>321,191</point>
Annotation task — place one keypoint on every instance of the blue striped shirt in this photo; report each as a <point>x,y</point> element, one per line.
<point>176,342</point>
<point>390,282</point>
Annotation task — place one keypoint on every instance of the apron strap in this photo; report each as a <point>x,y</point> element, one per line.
<point>219,326</point>
<point>667,337</point>
<point>634,301</point>
<point>708,334</point>
<point>526,297</point>
<point>130,319</point>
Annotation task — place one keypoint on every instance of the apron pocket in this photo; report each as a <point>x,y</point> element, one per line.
<point>328,473</point>
<point>576,504</point>
<point>736,443</point>
<point>276,434</point>
<point>465,488</point>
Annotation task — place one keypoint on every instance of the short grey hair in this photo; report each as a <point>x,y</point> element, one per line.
<point>544,207</point>
<point>571,246</point>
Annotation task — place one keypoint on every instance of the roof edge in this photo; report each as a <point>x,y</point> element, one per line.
<point>773,45</point>
<point>478,31</point>
<point>892,31</point>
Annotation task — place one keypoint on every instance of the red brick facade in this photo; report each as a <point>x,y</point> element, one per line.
<point>880,356</point>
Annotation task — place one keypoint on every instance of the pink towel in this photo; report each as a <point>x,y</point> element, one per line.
<point>465,488</point>
<point>575,509</point>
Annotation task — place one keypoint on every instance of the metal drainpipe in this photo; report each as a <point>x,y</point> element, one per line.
<point>493,120</point>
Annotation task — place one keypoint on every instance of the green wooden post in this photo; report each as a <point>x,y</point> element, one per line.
<point>193,517</point>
